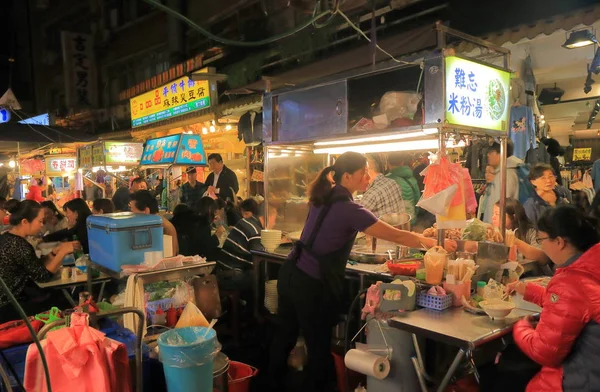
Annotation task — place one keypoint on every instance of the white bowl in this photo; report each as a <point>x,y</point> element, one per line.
<point>496,309</point>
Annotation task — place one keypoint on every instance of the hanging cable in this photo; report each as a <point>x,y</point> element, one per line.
<point>33,129</point>
<point>24,317</point>
<point>49,128</point>
<point>226,41</point>
<point>362,33</point>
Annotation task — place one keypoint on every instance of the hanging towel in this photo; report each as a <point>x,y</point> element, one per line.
<point>134,297</point>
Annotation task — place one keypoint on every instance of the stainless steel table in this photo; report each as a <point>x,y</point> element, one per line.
<point>454,327</point>
<point>280,255</point>
<point>81,280</point>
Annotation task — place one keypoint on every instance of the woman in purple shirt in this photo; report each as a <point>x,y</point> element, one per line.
<point>311,280</point>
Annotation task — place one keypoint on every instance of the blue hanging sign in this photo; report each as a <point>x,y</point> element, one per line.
<point>191,151</point>
<point>4,115</point>
<point>160,151</point>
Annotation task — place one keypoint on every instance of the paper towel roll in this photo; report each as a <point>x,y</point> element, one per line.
<point>367,363</point>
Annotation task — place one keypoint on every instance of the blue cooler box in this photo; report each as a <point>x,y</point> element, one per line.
<point>123,238</point>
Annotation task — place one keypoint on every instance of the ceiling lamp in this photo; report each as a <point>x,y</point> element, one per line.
<point>579,39</point>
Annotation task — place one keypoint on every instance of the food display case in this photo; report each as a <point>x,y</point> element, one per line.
<point>289,171</point>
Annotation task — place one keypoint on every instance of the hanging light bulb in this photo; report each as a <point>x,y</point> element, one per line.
<point>212,129</point>
<point>205,130</point>
<point>12,164</point>
<point>228,127</point>
<point>542,117</point>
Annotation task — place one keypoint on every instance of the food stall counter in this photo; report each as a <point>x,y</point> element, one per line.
<point>454,327</point>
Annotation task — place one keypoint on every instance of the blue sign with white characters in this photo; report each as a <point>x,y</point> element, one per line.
<point>160,151</point>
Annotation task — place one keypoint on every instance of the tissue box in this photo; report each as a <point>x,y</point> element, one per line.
<point>123,238</point>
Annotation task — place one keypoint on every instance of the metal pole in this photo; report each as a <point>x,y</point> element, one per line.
<point>502,185</point>
<point>19,159</point>
<point>442,151</point>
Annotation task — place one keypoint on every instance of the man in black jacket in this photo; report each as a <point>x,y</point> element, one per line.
<point>222,181</point>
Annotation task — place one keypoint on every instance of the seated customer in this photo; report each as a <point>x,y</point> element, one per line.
<point>564,342</point>
<point>185,221</point>
<point>19,265</point>
<point>245,236</point>
<point>142,202</point>
<point>103,206</point>
<point>205,243</point>
<point>77,212</point>
<point>53,220</point>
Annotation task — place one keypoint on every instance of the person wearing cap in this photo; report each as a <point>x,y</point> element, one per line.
<point>192,191</point>
<point>222,181</point>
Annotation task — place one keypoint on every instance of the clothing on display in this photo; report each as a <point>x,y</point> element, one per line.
<point>522,130</point>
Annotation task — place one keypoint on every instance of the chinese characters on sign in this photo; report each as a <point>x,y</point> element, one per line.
<point>123,153</point>
<point>191,151</point>
<point>160,151</point>
<point>476,95</point>
<point>85,157</point>
<point>582,154</point>
<point>60,165</point>
<point>80,69</point>
<point>179,97</point>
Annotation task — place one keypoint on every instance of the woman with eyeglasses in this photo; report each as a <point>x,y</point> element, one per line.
<point>546,196</point>
<point>565,342</point>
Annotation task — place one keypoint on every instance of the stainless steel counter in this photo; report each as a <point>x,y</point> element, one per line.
<point>456,327</point>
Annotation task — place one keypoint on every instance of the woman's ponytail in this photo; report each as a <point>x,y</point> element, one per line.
<point>320,188</point>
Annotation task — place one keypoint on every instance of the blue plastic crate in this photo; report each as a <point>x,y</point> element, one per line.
<point>437,302</point>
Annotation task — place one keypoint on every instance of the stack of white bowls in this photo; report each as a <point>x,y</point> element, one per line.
<point>270,239</point>
<point>271,297</point>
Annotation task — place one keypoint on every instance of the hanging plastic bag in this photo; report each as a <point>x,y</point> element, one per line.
<point>439,203</point>
<point>441,176</point>
<point>470,200</point>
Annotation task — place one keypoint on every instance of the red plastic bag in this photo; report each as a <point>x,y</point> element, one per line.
<point>441,176</point>
<point>470,200</point>
<point>14,333</point>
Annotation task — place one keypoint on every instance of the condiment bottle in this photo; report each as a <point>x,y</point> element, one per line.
<point>171,317</point>
<point>481,288</point>
<point>159,317</point>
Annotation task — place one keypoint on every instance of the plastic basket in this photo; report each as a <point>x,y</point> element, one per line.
<point>437,302</point>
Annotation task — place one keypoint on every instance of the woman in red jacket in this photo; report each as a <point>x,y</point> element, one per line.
<point>566,340</point>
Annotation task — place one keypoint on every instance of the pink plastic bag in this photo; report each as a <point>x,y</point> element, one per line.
<point>442,175</point>
<point>470,200</point>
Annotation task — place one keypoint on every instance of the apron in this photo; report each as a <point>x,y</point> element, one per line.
<point>331,265</point>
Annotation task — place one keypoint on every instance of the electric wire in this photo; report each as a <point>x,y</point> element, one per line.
<point>311,22</point>
<point>33,129</point>
<point>24,317</point>
<point>50,128</point>
<point>230,42</point>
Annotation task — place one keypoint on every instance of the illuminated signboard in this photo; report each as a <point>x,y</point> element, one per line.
<point>121,153</point>
<point>181,149</point>
<point>4,115</point>
<point>582,154</point>
<point>85,157</point>
<point>60,165</point>
<point>191,151</point>
<point>97,154</point>
<point>179,97</point>
<point>42,119</point>
<point>160,151</point>
<point>476,95</point>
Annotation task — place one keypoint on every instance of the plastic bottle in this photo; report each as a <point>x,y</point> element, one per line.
<point>481,288</point>
<point>171,317</point>
<point>77,253</point>
<point>159,317</point>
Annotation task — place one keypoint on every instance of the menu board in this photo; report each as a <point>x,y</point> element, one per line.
<point>85,157</point>
<point>121,153</point>
<point>160,151</point>
<point>582,154</point>
<point>98,154</point>
<point>476,95</point>
<point>191,151</point>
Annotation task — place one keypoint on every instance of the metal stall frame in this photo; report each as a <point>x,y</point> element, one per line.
<point>434,107</point>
